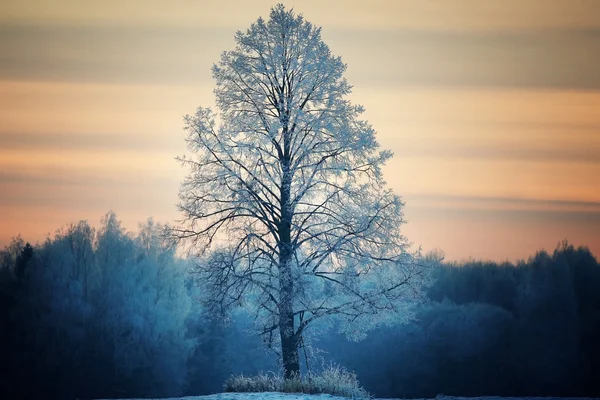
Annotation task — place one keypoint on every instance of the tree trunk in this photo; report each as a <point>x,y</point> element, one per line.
<point>289,346</point>
<point>287,331</point>
<point>289,343</point>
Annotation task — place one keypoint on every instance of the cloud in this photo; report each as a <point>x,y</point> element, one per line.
<point>505,204</point>
<point>556,58</point>
<point>520,58</point>
<point>504,150</point>
<point>492,147</point>
<point>67,188</point>
<point>99,142</point>
<point>110,54</point>
<point>454,15</point>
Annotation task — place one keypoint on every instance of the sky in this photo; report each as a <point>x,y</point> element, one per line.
<point>492,109</point>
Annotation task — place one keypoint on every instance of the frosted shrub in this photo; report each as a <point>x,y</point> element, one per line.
<point>259,383</point>
<point>334,380</point>
<point>337,381</point>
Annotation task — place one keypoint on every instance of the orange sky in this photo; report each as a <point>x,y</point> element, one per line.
<point>491,108</point>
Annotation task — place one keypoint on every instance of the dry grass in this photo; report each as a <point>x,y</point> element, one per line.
<point>334,380</point>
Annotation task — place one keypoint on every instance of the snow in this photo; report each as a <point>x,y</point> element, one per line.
<point>266,395</point>
<point>255,396</point>
<point>301,396</point>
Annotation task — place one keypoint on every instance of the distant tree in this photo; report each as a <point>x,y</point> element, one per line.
<point>548,325</point>
<point>142,304</point>
<point>286,182</point>
<point>75,244</point>
<point>10,254</point>
<point>23,260</point>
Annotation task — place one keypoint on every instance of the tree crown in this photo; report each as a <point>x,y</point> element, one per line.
<point>288,168</point>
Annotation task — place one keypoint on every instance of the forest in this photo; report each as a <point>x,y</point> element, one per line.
<point>108,313</point>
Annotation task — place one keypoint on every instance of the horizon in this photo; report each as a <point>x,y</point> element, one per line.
<point>491,112</point>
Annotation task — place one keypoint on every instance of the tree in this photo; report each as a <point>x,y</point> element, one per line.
<point>285,197</point>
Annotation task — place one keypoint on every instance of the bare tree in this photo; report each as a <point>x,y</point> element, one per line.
<point>285,196</point>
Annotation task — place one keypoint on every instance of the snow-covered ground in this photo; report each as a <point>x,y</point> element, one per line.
<point>300,396</point>
<point>255,396</point>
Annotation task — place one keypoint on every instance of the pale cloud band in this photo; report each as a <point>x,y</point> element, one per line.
<point>558,58</point>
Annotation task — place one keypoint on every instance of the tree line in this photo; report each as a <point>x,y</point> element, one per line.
<point>100,313</point>
<point>530,328</point>
<point>93,314</point>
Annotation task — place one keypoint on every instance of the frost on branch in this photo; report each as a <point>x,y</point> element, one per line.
<point>285,198</point>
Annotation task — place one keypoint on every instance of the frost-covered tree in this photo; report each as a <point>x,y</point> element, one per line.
<point>285,197</point>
